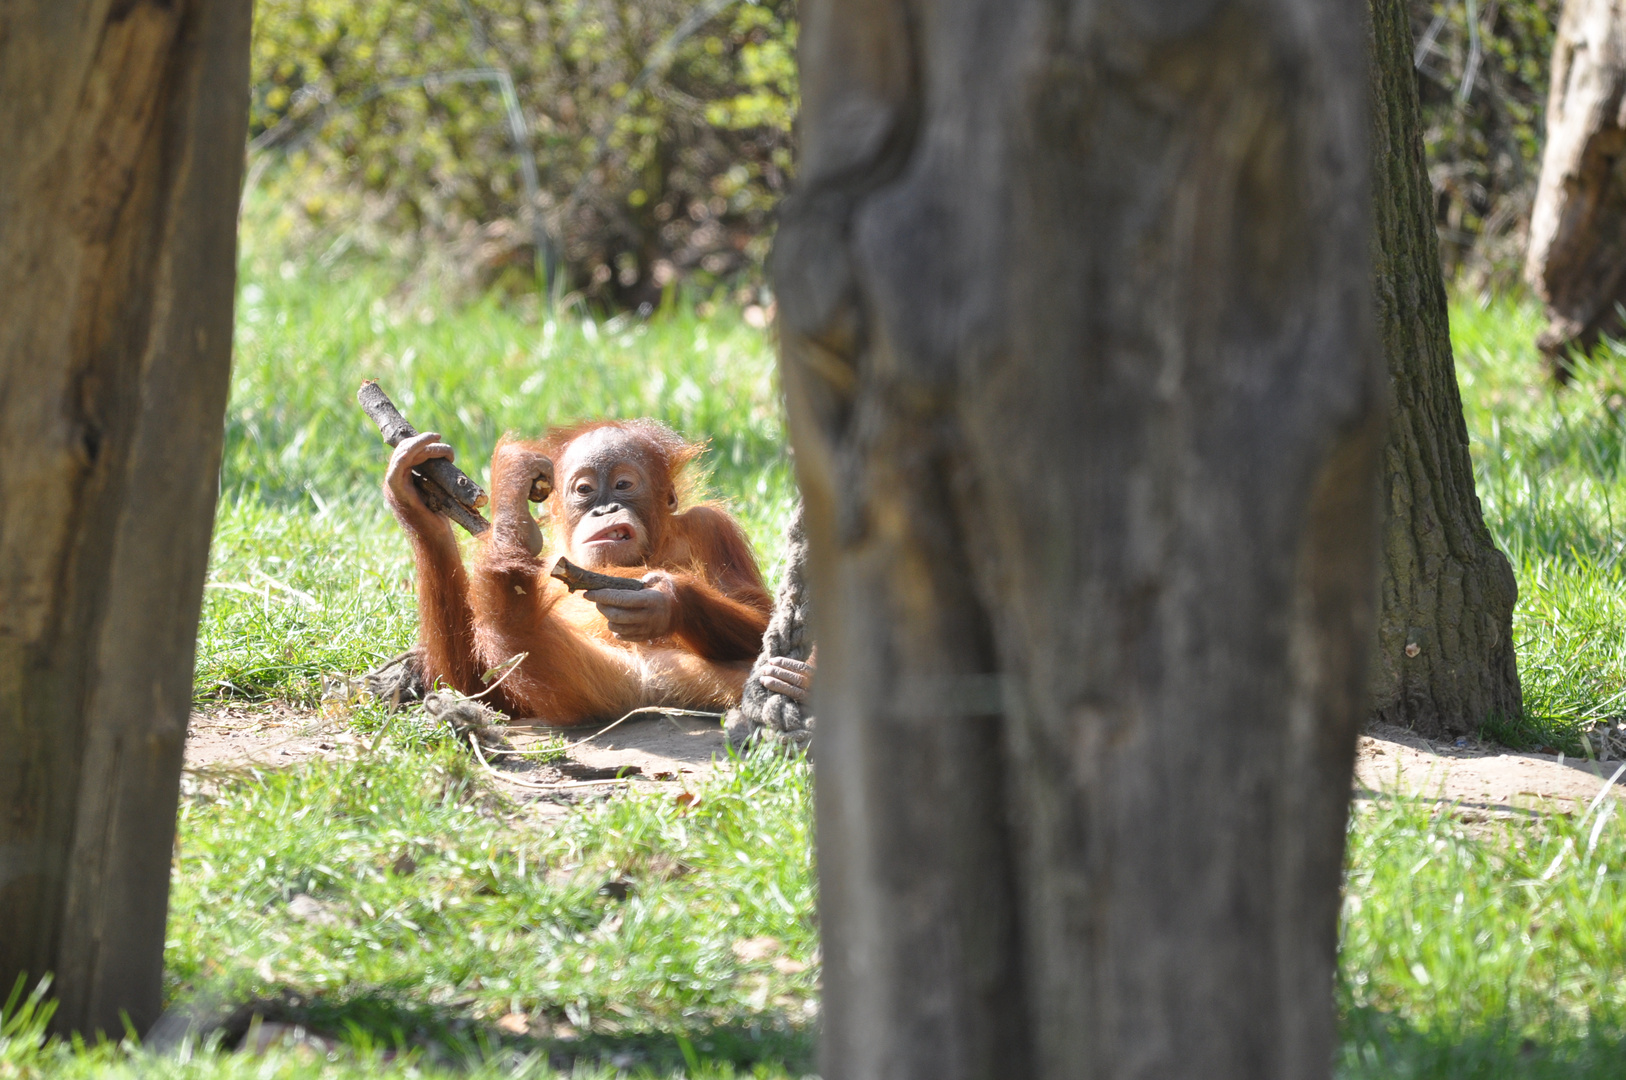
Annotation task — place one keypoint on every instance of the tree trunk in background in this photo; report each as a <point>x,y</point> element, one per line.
<point>121,150</point>
<point>1087,409</point>
<point>1577,257</point>
<point>1444,662</point>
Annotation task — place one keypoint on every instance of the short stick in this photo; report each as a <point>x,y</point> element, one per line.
<point>394,427</point>
<point>575,578</point>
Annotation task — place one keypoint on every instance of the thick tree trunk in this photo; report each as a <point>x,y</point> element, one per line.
<point>1577,257</point>
<point>1082,380</point>
<point>1444,662</point>
<point>121,149</point>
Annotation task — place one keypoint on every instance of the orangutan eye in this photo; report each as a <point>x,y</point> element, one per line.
<point>623,485</point>
<point>584,489</point>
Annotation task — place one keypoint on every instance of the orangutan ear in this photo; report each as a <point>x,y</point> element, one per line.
<point>671,498</point>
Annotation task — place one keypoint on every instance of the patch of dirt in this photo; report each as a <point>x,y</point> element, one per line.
<point>665,749</point>
<point>1487,781</point>
<point>650,751</point>
<point>262,735</point>
<point>660,746</point>
<point>657,748</point>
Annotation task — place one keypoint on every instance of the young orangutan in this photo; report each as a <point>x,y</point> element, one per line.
<point>686,641</point>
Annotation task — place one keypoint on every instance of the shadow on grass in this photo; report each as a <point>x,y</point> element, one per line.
<point>379,1021</point>
<point>1378,1045</point>
<point>1544,734</point>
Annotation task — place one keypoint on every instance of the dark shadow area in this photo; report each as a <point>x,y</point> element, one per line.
<point>1542,734</point>
<point>379,1021</point>
<point>1376,1044</point>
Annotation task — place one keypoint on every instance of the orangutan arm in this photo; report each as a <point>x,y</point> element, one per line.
<point>445,625</point>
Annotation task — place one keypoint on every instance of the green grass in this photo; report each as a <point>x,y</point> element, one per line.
<point>1485,951</point>
<point>1501,952</point>
<point>1551,467</point>
<point>443,908</point>
<point>501,914</point>
<point>1494,954</point>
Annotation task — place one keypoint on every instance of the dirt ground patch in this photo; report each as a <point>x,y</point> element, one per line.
<point>657,749</point>
<point>1490,780</point>
<point>664,749</point>
<point>262,735</point>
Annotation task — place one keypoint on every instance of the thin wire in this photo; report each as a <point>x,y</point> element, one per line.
<point>1426,46</point>
<point>512,663</point>
<point>642,711</point>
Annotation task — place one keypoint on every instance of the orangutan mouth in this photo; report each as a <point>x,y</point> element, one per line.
<point>614,534</point>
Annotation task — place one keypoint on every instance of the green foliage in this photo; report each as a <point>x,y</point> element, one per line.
<point>24,1018</point>
<point>649,171</point>
<point>767,73</point>
<point>652,173</point>
<point>1484,146</point>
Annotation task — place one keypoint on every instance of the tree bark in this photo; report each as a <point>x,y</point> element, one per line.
<point>1577,257</point>
<point>1444,661</point>
<point>121,151</point>
<point>1079,359</point>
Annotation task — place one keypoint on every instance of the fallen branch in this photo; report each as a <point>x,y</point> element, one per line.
<point>394,427</point>
<point>445,488</point>
<point>575,578</point>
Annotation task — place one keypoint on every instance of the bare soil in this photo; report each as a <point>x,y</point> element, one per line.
<point>680,751</point>
<point>262,735</point>
<point>646,750</point>
<point>1482,780</point>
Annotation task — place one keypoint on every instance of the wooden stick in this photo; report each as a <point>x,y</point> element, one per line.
<point>394,427</point>
<point>435,497</point>
<point>576,578</point>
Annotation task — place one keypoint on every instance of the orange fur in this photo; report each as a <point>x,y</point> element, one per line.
<point>577,671</point>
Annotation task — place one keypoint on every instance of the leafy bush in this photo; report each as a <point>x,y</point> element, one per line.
<point>661,131</point>
<point>661,136</point>
<point>1482,76</point>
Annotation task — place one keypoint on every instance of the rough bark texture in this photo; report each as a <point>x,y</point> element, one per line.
<point>763,715</point>
<point>1087,410</point>
<point>1444,662</point>
<point>121,149</point>
<point>1577,257</point>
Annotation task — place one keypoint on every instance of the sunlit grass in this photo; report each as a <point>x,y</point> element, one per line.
<point>1549,464</point>
<point>440,902</point>
<point>1492,953</point>
<point>398,902</point>
<point>307,336</point>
